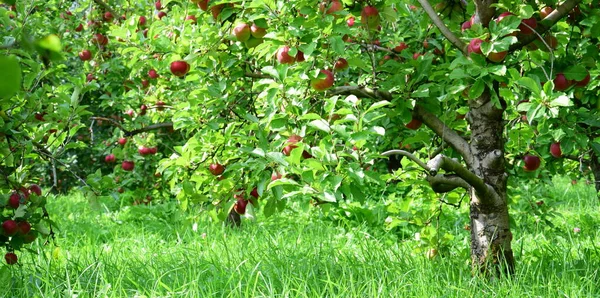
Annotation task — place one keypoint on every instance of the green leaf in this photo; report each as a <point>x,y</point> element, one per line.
<point>562,101</point>
<point>530,84</point>
<point>377,105</point>
<point>320,125</point>
<point>10,76</point>
<point>576,72</point>
<point>477,89</point>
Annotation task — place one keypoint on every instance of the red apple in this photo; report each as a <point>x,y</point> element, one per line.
<point>528,25</point>
<point>158,5</point>
<point>79,28</point>
<point>561,82</point>
<point>127,165</point>
<point>36,189</point>
<point>203,4</point>
<point>10,227</point>
<point>283,57</point>
<point>276,176</point>
<point>242,32</point>
<point>369,17</point>
<point>161,14</point>
<point>14,200</point>
<point>497,56</point>
<point>532,162</point>
<point>153,74</point>
<point>332,6</point>
<point>414,124</point>
<point>122,141</point>
<point>39,116</point>
<point>466,25</point>
<point>85,55</point>
<point>341,64</point>
<point>555,150</point>
<point>257,32</point>
<point>100,39</point>
<point>24,227</point>
<point>216,169</point>
<point>416,56</point>
<point>584,82</point>
<point>475,46</point>
<point>240,205</point>
<point>254,192</point>
<point>10,258</point>
<point>108,17</point>
<point>142,21</point>
<point>325,83</point>
<point>179,68</point>
<point>191,18</point>
<point>502,16</point>
<point>401,47</point>
<point>109,158</point>
<point>545,12</point>
<point>160,105</point>
<point>350,21</point>
<point>287,150</point>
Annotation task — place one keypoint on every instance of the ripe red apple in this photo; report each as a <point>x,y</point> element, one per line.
<point>466,25</point>
<point>14,200</point>
<point>584,82</point>
<point>475,46</point>
<point>109,158</point>
<point>158,5</point>
<point>528,25</point>
<point>340,64</point>
<point>216,10</point>
<point>191,18</point>
<point>122,141</point>
<point>276,176</point>
<point>350,21</point>
<point>153,74</point>
<point>127,165</point>
<point>142,21</point>
<point>257,32</point>
<point>39,116</point>
<point>79,28</point>
<point>369,17</point>
<point>100,39</point>
<point>497,56</point>
<point>203,4</point>
<point>216,169</point>
<point>242,32</point>
<point>10,227</point>
<point>532,162</point>
<point>240,205</point>
<point>11,258</point>
<point>414,124</point>
<point>254,192</point>
<point>283,57</point>
<point>287,150</point>
<point>161,14</point>
<point>179,68</point>
<point>545,12</point>
<point>555,150</point>
<point>416,56</point>
<point>24,227</point>
<point>108,17</point>
<point>325,83</point>
<point>332,6</point>
<point>85,55</point>
<point>401,47</point>
<point>561,82</point>
<point>36,189</point>
<point>503,15</point>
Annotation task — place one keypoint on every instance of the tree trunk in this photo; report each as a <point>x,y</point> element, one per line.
<point>490,226</point>
<point>595,165</point>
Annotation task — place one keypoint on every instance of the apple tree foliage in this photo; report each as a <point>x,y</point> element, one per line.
<point>146,101</point>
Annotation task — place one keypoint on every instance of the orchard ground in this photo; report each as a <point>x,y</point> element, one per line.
<point>103,249</point>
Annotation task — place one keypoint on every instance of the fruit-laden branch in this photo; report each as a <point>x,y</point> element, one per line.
<point>546,24</point>
<point>106,7</point>
<point>484,191</point>
<point>442,27</point>
<point>450,136</point>
<point>128,133</point>
<point>361,91</point>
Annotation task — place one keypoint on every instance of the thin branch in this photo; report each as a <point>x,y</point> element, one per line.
<point>446,183</point>
<point>149,128</point>
<point>545,24</point>
<point>576,158</point>
<point>442,27</point>
<point>361,91</point>
<point>257,75</point>
<point>114,122</point>
<point>410,156</point>
<point>449,135</point>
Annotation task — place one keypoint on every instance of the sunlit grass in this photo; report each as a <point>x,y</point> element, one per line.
<point>155,251</point>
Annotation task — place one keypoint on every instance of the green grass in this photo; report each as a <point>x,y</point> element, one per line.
<point>153,251</point>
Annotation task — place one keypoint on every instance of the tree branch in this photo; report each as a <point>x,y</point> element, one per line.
<point>446,183</point>
<point>409,155</point>
<point>149,128</point>
<point>545,24</point>
<point>114,122</point>
<point>257,75</point>
<point>484,191</point>
<point>361,91</point>
<point>442,27</point>
<point>450,136</point>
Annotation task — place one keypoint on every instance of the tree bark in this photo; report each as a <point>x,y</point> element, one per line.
<point>595,165</point>
<point>490,226</point>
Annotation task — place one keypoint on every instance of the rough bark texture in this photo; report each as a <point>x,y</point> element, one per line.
<point>490,226</point>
